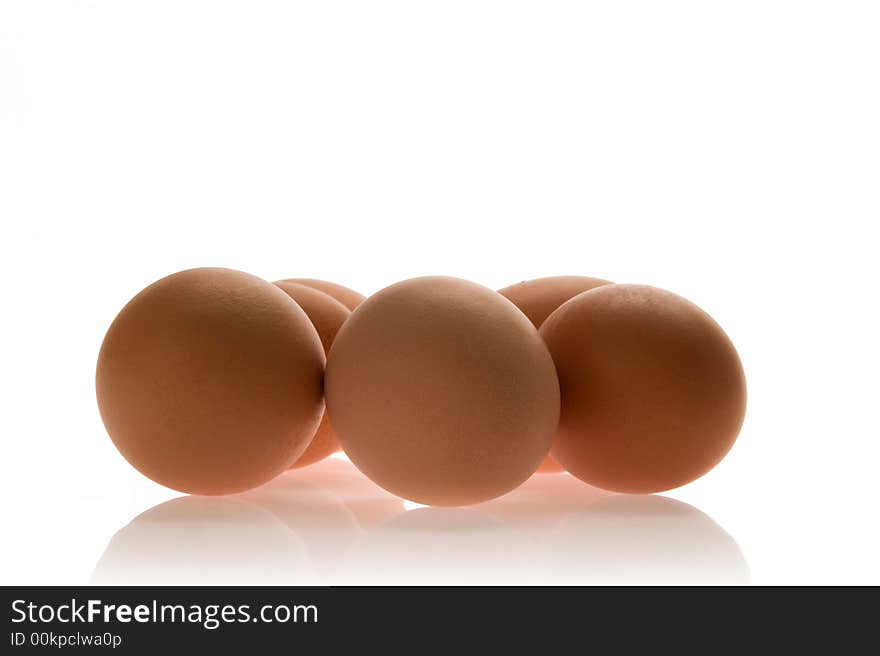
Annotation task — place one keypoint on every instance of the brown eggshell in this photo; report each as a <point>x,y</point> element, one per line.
<point>442,392</point>
<point>550,466</point>
<point>537,299</point>
<point>653,391</point>
<point>209,381</point>
<point>327,314</point>
<point>348,297</point>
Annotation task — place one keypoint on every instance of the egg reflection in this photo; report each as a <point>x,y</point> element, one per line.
<point>641,540</point>
<point>370,504</point>
<point>327,524</point>
<point>541,502</point>
<point>204,540</point>
<point>325,506</point>
<point>294,530</point>
<point>440,546</point>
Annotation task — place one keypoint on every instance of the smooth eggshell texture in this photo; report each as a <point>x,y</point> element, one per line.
<point>537,299</point>
<point>327,314</point>
<point>653,391</point>
<point>442,392</point>
<point>210,381</point>
<point>348,297</point>
<point>550,466</point>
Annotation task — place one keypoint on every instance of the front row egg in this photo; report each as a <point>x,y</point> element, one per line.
<point>209,381</point>
<point>653,391</point>
<point>442,392</point>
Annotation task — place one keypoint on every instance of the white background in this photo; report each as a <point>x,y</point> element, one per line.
<point>727,151</point>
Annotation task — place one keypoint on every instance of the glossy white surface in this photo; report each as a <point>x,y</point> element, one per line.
<point>329,525</point>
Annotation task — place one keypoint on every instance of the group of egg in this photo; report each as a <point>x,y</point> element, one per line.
<point>442,391</point>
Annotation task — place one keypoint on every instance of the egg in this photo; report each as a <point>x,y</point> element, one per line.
<point>537,299</point>
<point>348,297</point>
<point>653,391</point>
<point>327,315</point>
<point>442,392</point>
<point>209,381</point>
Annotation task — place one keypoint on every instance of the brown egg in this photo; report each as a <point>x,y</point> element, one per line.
<point>327,315</point>
<point>537,299</point>
<point>442,392</point>
<point>348,297</point>
<point>209,381</point>
<point>653,392</point>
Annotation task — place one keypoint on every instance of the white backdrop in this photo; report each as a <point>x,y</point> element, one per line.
<point>729,152</point>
